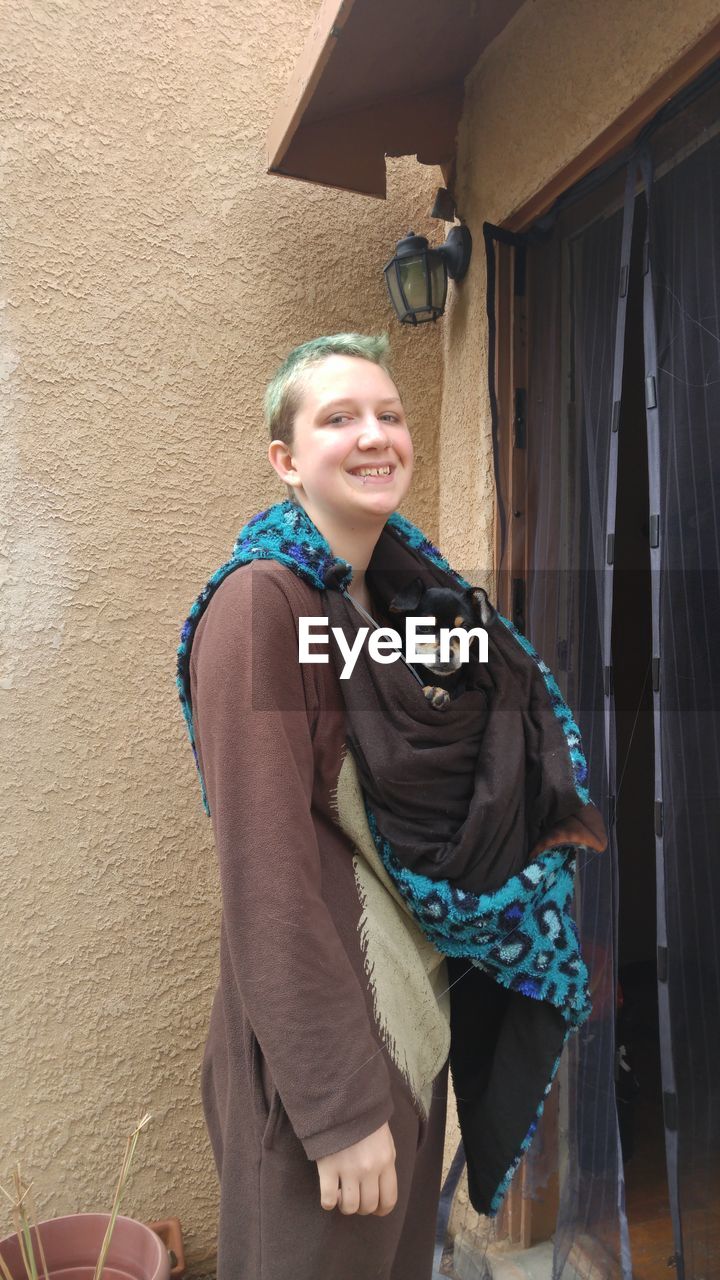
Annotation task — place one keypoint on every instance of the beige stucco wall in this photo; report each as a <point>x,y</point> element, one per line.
<point>560,73</point>
<point>153,277</point>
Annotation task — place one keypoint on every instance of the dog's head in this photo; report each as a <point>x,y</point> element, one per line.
<point>460,609</point>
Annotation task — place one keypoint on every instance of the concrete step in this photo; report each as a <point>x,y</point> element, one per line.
<point>501,1262</point>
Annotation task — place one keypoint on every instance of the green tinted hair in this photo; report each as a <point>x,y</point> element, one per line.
<point>284,392</point>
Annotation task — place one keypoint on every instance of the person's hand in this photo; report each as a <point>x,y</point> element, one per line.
<point>361,1178</point>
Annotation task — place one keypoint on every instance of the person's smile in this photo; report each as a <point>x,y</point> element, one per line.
<point>374,473</point>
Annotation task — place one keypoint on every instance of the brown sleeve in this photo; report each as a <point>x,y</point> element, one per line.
<point>299,989</point>
<point>585,827</point>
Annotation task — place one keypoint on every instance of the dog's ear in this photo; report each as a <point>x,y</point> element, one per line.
<point>480,604</point>
<point>409,598</point>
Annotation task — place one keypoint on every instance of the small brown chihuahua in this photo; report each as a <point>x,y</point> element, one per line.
<point>453,609</point>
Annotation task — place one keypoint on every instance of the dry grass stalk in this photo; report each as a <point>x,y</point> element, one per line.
<point>124,1171</point>
<point>24,1225</point>
<point>4,1268</point>
<point>31,1198</point>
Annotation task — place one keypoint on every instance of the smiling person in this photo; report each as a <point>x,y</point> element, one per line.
<point>324,1079</point>
<point>345,449</point>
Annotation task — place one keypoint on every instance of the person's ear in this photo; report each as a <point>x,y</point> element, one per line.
<point>281,461</point>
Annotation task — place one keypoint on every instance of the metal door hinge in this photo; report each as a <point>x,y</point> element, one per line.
<point>670,1110</point>
<point>658,817</point>
<point>520,419</point>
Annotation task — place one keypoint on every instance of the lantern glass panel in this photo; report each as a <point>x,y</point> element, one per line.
<point>394,289</point>
<point>413,278</point>
<point>438,277</point>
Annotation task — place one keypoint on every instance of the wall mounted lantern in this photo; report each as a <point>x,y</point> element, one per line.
<point>417,276</point>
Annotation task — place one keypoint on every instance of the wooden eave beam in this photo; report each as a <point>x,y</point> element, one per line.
<point>349,150</point>
<point>317,50</point>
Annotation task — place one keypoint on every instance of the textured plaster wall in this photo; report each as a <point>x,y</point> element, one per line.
<point>153,276</point>
<point>560,73</point>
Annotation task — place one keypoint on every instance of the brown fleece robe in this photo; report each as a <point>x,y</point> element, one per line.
<point>331,1014</point>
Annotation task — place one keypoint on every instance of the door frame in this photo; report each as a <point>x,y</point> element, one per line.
<point>525,1221</point>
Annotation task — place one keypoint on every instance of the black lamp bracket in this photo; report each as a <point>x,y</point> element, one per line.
<point>444,206</point>
<point>456,251</point>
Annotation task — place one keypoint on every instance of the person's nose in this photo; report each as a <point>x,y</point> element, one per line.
<point>374,433</point>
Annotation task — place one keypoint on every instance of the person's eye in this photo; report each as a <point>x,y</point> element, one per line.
<point>392,416</point>
<point>337,418</point>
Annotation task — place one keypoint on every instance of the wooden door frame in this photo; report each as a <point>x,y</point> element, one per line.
<point>524,1220</point>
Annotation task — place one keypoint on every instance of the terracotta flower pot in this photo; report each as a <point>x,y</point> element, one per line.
<point>72,1247</point>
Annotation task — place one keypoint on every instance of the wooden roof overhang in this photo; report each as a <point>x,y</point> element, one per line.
<point>380,78</point>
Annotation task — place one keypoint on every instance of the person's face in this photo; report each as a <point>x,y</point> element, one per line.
<point>350,426</point>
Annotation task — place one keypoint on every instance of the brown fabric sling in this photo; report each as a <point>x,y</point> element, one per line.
<point>466,792</point>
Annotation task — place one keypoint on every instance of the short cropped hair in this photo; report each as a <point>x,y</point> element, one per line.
<point>284,391</point>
